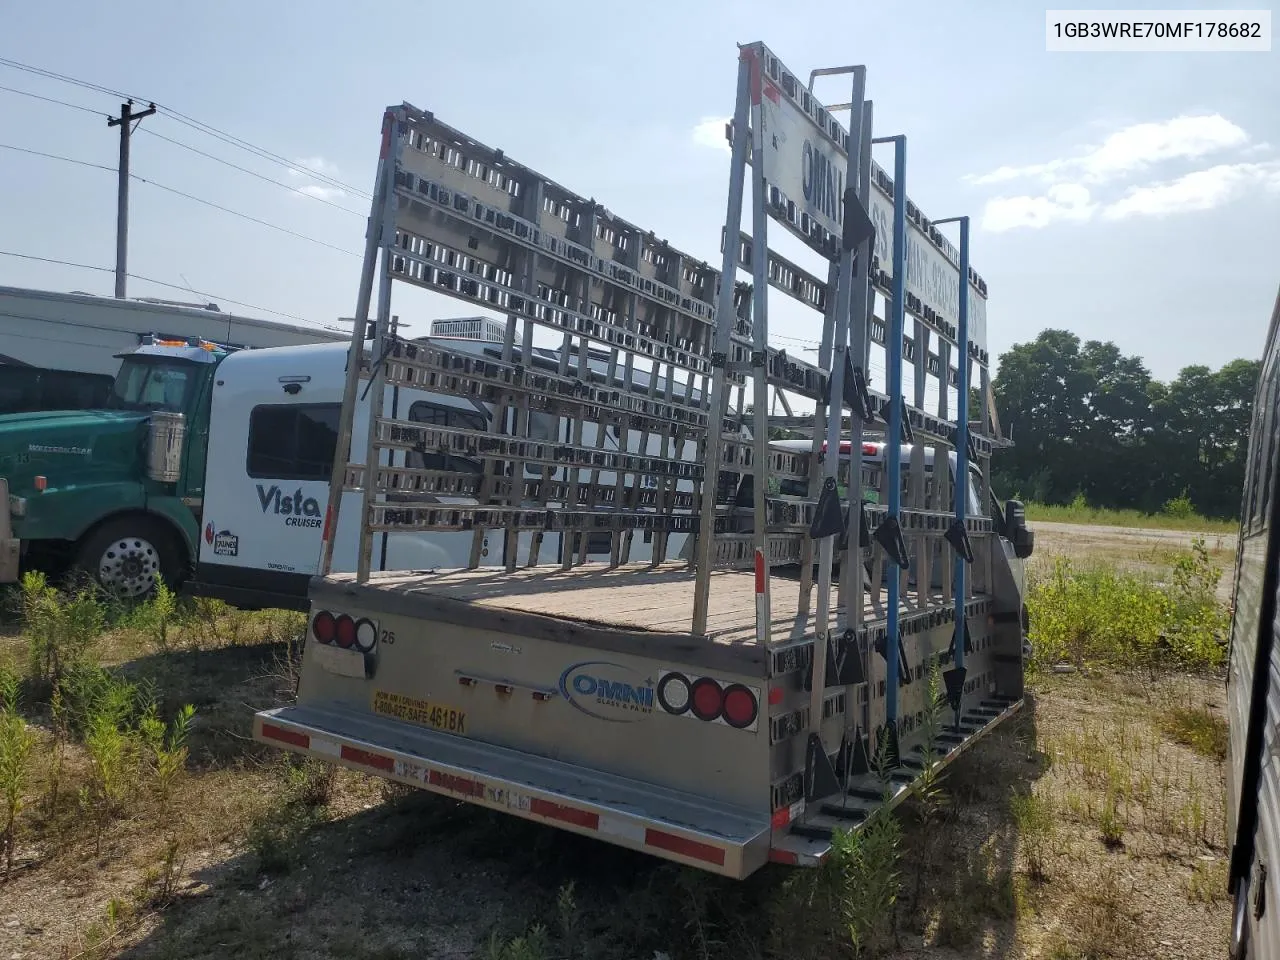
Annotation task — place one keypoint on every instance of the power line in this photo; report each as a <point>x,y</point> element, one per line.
<point>245,216</point>
<point>261,152</point>
<point>61,103</point>
<point>159,283</point>
<point>55,156</point>
<point>188,196</point>
<point>52,75</point>
<point>178,143</point>
<point>253,173</point>
<point>198,125</point>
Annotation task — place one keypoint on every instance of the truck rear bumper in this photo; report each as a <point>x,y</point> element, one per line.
<point>665,823</point>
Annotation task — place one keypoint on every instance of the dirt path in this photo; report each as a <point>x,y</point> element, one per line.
<point>1085,538</point>
<point>1134,548</point>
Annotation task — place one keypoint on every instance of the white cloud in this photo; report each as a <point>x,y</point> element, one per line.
<point>709,132</point>
<point>1196,191</point>
<point>1200,190</point>
<point>1131,150</point>
<point>322,192</point>
<point>1063,201</point>
<point>313,165</point>
<point>307,168</point>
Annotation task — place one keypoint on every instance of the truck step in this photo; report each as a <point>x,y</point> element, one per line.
<point>819,826</point>
<point>851,812</point>
<point>797,851</point>
<point>672,824</point>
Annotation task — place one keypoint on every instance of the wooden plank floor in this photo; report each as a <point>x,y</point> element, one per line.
<point>635,597</point>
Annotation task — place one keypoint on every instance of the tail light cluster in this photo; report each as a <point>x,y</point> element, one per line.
<point>342,630</point>
<point>709,700</point>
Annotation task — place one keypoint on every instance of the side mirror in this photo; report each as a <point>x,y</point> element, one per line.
<point>1016,530</point>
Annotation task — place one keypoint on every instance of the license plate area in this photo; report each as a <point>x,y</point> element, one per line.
<point>424,713</point>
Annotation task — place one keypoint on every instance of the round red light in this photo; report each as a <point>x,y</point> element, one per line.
<point>740,706</point>
<point>346,631</point>
<point>707,699</point>
<point>323,626</point>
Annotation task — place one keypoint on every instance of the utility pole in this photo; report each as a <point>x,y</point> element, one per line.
<point>122,210</point>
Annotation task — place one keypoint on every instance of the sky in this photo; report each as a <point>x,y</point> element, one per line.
<point>1125,197</point>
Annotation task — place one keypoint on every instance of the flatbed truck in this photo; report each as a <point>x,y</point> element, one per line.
<point>700,708</point>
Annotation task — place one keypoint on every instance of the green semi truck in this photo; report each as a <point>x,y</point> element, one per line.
<point>115,491</point>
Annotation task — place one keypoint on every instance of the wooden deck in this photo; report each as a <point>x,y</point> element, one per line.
<point>636,598</point>
<point>635,609</point>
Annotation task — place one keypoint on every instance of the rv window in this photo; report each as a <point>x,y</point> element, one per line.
<point>292,442</point>
<point>599,542</point>
<point>544,427</point>
<point>458,418</point>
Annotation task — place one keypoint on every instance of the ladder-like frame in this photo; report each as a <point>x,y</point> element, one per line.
<point>454,216</point>
<point>800,159</point>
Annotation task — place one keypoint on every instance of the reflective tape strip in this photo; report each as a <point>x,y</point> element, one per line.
<point>291,737</point>
<point>375,761</point>
<point>683,846</point>
<point>455,784</point>
<point>786,815</point>
<point>558,811</point>
<point>786,857</point>
<point>326,747</point>
<point>622,828</point>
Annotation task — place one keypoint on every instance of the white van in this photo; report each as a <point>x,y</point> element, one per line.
<point>272,435</point>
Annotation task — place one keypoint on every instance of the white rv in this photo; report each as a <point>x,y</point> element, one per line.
<point>272,434</point>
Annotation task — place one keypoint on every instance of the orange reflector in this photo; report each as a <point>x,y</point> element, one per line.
<point>42,484</point>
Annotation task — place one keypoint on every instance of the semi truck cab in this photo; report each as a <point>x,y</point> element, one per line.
<point>115,491</point>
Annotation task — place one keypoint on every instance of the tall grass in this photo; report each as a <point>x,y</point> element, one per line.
<point>1098,613</point>
<point>16,745</point>
<point>1177,514</point>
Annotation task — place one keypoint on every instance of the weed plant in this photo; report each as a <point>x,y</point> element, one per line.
<point>1098,614</point>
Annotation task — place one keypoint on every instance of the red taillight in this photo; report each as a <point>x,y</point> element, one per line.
<point>323,626</point>
<point>346,631</point>
<point>869,450</point>
<point>706,700</point>
<point>739,707</point>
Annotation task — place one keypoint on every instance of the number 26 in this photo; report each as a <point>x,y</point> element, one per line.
<point>388,637</point>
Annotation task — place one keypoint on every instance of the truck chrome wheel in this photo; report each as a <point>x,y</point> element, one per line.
<point>129,566</point>
<point>132,555</point>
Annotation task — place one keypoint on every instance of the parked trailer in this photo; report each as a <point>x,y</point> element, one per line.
<point>705,710</point>
<point>1253,679</point>
<point>84,334</point>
